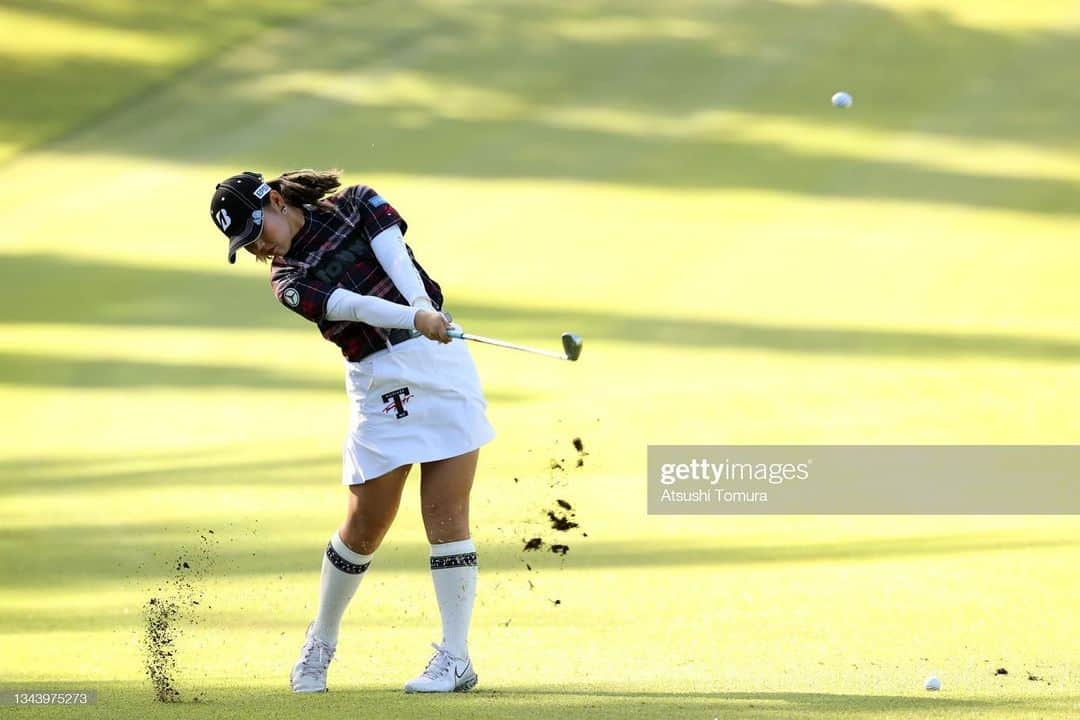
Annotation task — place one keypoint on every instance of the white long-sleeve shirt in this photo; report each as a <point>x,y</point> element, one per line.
<point>389,247</point>
<point>347,305</point>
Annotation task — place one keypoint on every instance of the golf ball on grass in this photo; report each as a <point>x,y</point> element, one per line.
<point>842,99</point>
<point>932,683</point>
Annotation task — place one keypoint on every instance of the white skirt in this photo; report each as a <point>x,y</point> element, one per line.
<point>414,402</point>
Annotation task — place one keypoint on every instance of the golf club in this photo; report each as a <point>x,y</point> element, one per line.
<point>571,345</point>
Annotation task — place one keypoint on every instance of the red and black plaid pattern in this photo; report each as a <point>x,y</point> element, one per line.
<point>332,250</point>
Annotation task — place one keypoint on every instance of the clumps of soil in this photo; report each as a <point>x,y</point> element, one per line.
<point>159,642</point>
<point>1032,677</point>
<point>538,544</point>
<point>561,523</point>
<point>169,610</point>
<point>560,516</point>
<point>580,448</point>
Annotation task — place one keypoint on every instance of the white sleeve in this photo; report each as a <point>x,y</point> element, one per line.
<point>389,247</point>
<point>346,305</point>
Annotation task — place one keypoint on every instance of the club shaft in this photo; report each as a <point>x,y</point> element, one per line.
<point>504,344</point>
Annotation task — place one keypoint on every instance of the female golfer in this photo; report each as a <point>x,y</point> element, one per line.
<point>342,263</point>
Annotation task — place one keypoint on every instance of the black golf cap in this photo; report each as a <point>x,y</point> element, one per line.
<point>237,209</point>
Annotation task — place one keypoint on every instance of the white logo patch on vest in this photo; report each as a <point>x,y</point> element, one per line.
<point>291,296</point>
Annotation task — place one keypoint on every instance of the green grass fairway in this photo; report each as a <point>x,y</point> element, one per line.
<point>70,63</point>
<point>746,263</point>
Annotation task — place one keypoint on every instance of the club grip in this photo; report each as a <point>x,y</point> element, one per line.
<point>457,334</point>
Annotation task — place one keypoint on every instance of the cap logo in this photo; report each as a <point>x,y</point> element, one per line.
<point>291,297</point>
<point>260,192</point>
<point>223,219</point>
<point>256,217</point>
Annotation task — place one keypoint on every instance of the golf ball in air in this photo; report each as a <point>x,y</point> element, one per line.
<point>932,683</point>
<point>842,99</point>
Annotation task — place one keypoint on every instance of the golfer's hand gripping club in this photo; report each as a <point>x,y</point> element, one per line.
<point>433,325</point>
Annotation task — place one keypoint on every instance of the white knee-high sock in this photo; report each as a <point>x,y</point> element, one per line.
<point>342,571</point>
<point>454,571</point>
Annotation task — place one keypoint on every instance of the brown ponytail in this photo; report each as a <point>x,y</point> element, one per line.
<point>306,187</point>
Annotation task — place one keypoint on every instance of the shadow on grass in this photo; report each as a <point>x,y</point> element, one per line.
<point>18,477</point>
<point>141,553</point>
<point>36,370</point>
<point>101,293</point>
<point>56,289</point>
<point>608,92</point>
<point>133,700</point>
<point>56,99</point>
<point>662,330</point>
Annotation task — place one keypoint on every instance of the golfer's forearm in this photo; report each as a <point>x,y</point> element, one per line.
<point>346,305</point>
<point>389,247</point>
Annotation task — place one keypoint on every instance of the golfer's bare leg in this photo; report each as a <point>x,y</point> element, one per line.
<point>445,486</point>
<point>444,502</point>
<point>372,509</point>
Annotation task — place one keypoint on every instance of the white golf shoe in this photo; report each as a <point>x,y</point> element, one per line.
<point>444,673</point>
<point>309,673</point>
